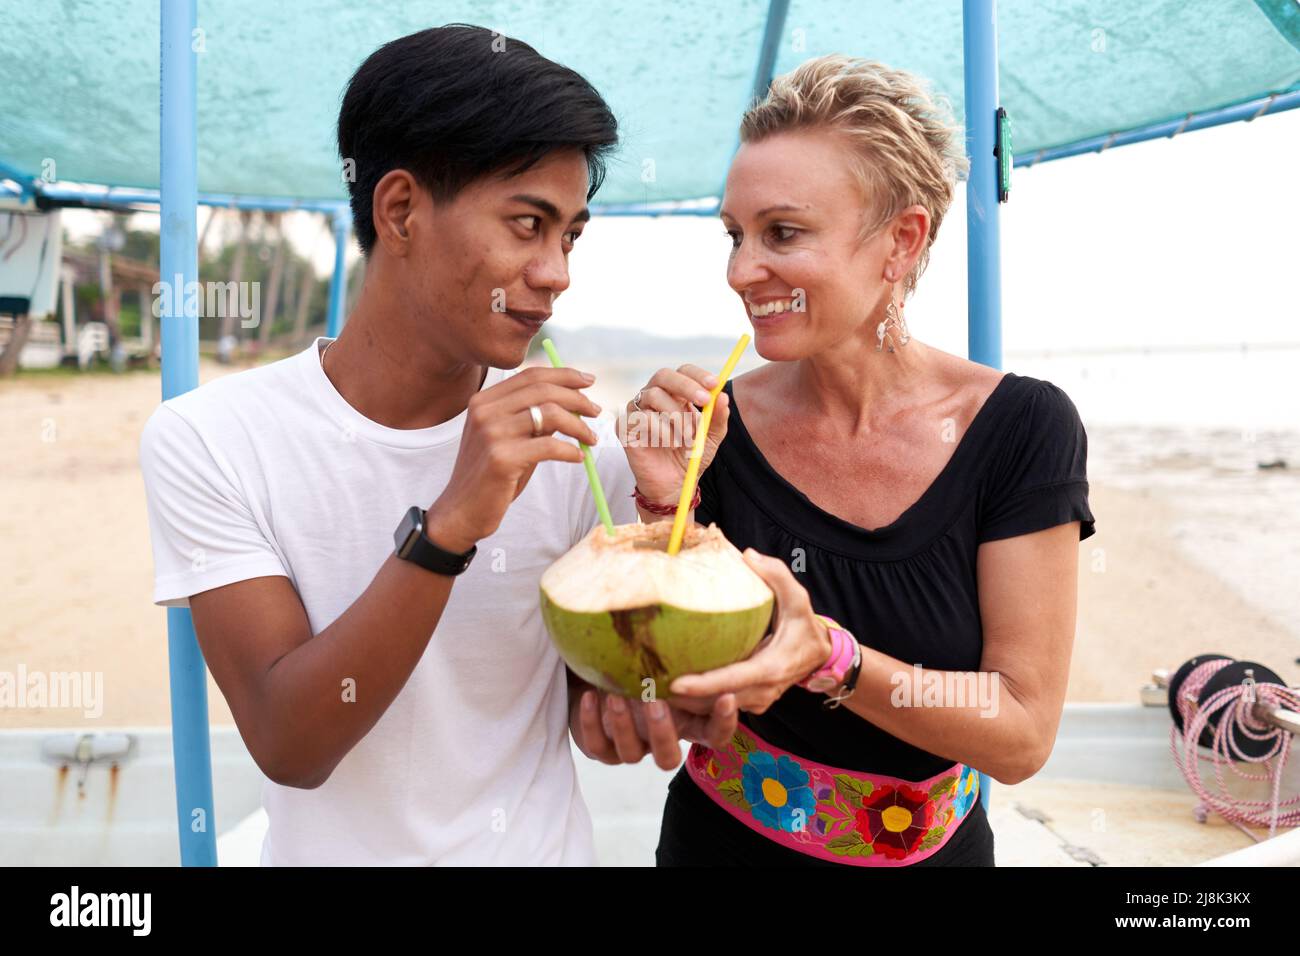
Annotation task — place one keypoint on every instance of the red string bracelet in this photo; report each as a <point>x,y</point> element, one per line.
<point>644,502</point>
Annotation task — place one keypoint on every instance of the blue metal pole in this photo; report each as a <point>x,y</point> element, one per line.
<point>768,50</point>
<point>179,266</point>
<point>983,250</point>
<point>339,283</point>
<point>92,196</point>
<point>1237,113</point>
<point>777,11</point>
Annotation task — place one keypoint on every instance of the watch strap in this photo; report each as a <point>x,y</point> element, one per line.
<point>418,549</point>
<point>850,681</point>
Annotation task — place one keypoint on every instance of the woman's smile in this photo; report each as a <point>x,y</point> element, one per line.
<point>769,314</point>
<point>770,306</point>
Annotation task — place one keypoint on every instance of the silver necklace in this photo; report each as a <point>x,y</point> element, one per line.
<point>325,351</point>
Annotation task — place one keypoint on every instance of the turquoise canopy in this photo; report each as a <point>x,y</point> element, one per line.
<point>79,101</point>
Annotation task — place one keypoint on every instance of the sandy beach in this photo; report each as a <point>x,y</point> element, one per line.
<point>1195,551</point>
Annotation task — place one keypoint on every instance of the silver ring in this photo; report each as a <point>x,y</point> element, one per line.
<point>536,414</point>
<point>636,402</point>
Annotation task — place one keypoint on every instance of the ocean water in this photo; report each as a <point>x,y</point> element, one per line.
<point>1215,434</point>
<point>1253,389</point>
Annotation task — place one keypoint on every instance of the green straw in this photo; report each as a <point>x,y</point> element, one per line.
<point>593,478</point>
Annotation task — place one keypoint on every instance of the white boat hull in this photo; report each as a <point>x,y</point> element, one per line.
<point>1109,795</point>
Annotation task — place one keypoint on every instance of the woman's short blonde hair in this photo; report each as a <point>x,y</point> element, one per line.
<point>908,148</point>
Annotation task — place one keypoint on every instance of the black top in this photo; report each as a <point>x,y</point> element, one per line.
<point>908,589</point>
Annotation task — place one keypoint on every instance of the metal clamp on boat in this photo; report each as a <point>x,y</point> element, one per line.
<point>86,750</point>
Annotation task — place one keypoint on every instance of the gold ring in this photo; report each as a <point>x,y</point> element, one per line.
<point>536,414</point>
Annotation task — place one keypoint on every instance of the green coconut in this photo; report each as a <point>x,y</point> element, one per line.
<point>622,611</point>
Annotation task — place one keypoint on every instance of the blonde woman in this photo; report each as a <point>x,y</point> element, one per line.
<point>917,515</point>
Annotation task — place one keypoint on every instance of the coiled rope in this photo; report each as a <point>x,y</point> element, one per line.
<point>1229,714</point>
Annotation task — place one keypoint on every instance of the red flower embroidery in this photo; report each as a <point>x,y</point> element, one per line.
<point>714,764</point>
<point>894,820</point>
<point>697,756</point>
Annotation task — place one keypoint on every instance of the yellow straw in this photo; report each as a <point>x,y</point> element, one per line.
<point>593,477</point>
<point>697,449</point>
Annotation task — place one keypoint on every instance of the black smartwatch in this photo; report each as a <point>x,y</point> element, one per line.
<point>414,546</point>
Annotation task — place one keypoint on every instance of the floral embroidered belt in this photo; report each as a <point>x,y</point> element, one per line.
<point>839,815</point>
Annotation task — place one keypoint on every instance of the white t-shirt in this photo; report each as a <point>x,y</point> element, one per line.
<point>271,472</point>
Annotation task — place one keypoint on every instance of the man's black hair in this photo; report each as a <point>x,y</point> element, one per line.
<point>454,103</point>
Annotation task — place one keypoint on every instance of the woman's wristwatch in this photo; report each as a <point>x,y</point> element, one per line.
<point>840,672</point>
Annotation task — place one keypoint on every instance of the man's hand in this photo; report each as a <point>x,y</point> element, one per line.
<point>614,729</point>
<point>498,450</point>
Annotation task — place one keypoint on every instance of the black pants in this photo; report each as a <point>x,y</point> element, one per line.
<point>697,832</point>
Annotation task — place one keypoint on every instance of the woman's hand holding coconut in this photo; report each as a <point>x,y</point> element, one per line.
<point>798,645</point>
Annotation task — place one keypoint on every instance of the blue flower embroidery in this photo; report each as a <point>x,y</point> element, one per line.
<point>776,788</point>
<point>968,788</point>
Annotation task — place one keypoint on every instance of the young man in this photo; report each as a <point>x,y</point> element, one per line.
<point>405,712</point>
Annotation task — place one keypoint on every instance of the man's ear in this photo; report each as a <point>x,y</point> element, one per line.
<point>394,203</point>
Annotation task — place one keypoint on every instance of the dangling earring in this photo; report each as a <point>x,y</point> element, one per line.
<point>893,320</point>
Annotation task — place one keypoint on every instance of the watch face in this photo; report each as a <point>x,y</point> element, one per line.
<point>821,685</point>
<point>404,536</point>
